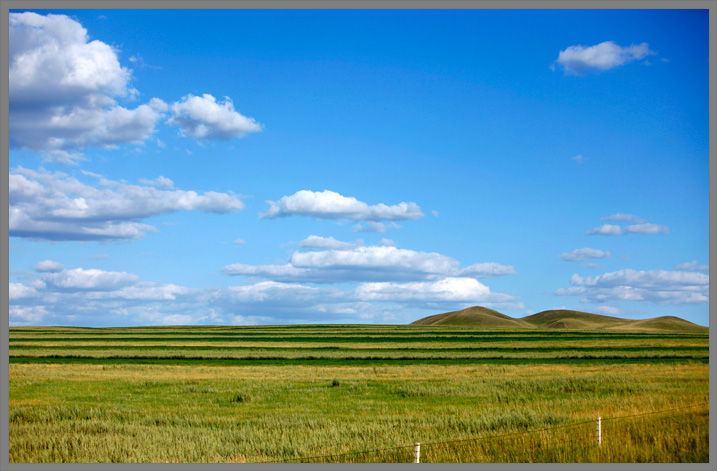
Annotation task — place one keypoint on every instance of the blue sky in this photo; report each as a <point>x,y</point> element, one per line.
<point>362,166</point>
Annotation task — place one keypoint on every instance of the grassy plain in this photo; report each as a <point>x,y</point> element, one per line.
<point>338,393</point>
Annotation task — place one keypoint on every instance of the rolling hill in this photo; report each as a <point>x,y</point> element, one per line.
<point>478,316</point>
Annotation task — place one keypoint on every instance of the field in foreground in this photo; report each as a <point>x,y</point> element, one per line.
<point>356,394</point>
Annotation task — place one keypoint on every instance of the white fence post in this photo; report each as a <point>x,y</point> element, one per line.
<point>599,432</point>
<point>417,453</point>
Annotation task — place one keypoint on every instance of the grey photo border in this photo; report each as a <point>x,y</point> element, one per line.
<point>7,5</point>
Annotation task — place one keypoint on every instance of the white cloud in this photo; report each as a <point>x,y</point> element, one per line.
<point>267,290</point>
<point>692,266</point>
<point>146,291</point>
<point>54,206</point>
<point>640,227</point>
<point>48,266</point>
<point>579,255</point>
<point>159,182</point>
<point>387,242</point>
<point>484,270</point>
<point>580,158</point>
<point>239,241</point>
<point>27,315</point>
<point>202,117</point>
<point>647,228</point>
<point>652,279</point>
<point>608,230</point>
<point>448,289</point>
<point>579,60</point>
<point>92,297</point>
<point>62,90</point>
<point>319,242</point>
<point>375,226</point>
<point>376,257</point>
<point>19,291</point>
<point>353,262</point>
<point>331,205</point>
<point>266,271</point>
<point>53,62</point>
<point>90,279</point>
<point>658,286</point>
<point>451,290</point>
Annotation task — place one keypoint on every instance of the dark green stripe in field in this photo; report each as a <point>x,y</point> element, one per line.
<point>615,348</point>
<point>309,361</point>
<point>367,334</point>
<point>353,339</point>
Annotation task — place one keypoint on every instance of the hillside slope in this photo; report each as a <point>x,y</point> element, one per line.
<point>478,316</point>
<point>473,316</point>
<point>566,319</point>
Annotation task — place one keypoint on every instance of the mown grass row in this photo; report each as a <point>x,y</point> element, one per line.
<point>292,348</point>
<point>310,354</point>
<point>348,339</point>
<point>375,360</point>
<point>328,328</point>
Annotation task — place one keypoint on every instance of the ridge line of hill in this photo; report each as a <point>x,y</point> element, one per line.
<point>478,316</point>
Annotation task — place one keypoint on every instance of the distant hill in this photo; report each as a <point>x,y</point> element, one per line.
<point>472,316</point>
<point>478,316</point>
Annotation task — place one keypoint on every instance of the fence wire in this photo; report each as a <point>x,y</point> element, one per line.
<point>313,459</point>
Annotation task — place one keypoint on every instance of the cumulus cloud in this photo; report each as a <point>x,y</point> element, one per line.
<point>202,117</point>
<point>375,226</point>
<point>339,261</point>
<point>640,226</point>
<point>159,182</point>
<point>485,270</point>
<point>27,315</point>
<point>90,279</point>
<point>376,257</point>
<point>145,291</point>
<point>608,230</point>
<point>266,290</point>
<point>466,291</point>
<point>657,286</point>
<point>692,266</point>
<point>647,228</point>
<point>55,206</point>
<point>62,90</point>
<point>448,289</point>
<point>580,60</point>
<point>94,297</point>
<point>580,255</point>
<point>283,272</point>
<point>18,291</point>
<point>331,205</point>
<point>48,266</point>
<point>318,242</point>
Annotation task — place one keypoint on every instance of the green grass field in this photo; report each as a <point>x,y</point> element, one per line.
<point>356,393</point>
